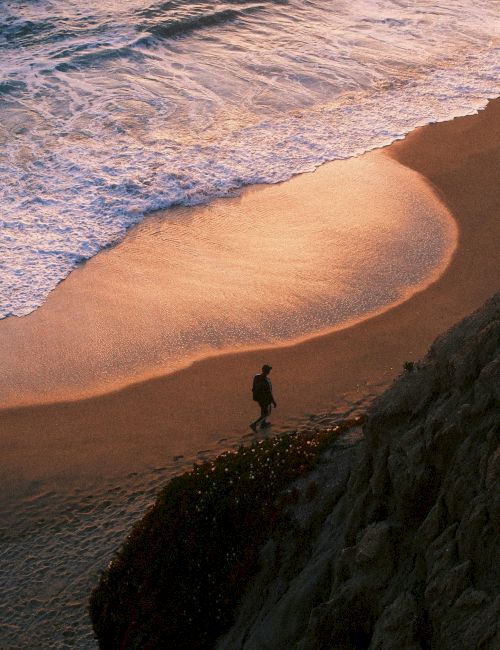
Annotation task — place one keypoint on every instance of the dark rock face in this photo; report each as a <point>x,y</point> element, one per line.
<point>408,557</point>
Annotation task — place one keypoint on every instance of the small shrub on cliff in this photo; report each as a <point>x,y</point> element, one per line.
<point>178,577</point>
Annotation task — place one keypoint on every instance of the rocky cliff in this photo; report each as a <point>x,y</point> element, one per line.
<point>405,554</point>
<point>332,537</point>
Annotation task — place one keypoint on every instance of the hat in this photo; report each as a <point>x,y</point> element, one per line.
<point>266,368</point>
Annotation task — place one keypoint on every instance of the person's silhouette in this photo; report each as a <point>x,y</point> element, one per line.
<point>262,392</point>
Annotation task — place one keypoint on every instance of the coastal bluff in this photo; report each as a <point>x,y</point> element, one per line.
<point>408,557</point>
<point>400,550</point>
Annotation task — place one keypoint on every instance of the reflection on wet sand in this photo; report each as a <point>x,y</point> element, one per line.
<point>275,264</point>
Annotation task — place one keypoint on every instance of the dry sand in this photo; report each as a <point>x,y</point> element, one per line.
<point>75,475</point>
<point>146,424</point>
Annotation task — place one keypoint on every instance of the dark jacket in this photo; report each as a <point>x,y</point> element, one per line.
<point>262,390</point>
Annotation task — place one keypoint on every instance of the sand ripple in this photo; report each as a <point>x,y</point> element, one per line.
<point>51,552</point>
<point>54,544</point>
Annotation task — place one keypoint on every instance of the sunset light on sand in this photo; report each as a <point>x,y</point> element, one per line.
<point>190,190</point>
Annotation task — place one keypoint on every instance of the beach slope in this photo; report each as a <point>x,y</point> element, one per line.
<point>149,422</point>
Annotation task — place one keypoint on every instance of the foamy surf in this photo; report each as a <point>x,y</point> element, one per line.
<point>109,113</point>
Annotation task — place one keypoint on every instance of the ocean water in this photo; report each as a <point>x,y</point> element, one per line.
<point>110,110</point>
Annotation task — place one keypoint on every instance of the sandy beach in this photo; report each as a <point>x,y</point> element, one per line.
<point>141,433</point>
<point>148,423</point>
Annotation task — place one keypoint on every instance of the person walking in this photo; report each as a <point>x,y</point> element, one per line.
<point>262,392</point>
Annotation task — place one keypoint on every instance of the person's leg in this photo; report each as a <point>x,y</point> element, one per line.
<point>264,412</point>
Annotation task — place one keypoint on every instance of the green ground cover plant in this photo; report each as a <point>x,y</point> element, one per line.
<point>177,579</point>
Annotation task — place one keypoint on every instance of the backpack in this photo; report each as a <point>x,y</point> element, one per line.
<point>259,387</point>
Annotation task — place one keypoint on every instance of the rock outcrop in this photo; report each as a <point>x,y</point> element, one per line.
<point>406,555</point>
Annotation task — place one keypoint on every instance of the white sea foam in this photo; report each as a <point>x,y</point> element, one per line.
<point>108,114</point>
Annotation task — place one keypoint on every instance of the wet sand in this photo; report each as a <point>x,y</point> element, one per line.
<point>273,264</point>
<point>147,424</point>
<point>75,475</point>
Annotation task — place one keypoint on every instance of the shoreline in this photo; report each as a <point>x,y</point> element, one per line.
<point>342,244</point>
<point>157,419</point>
